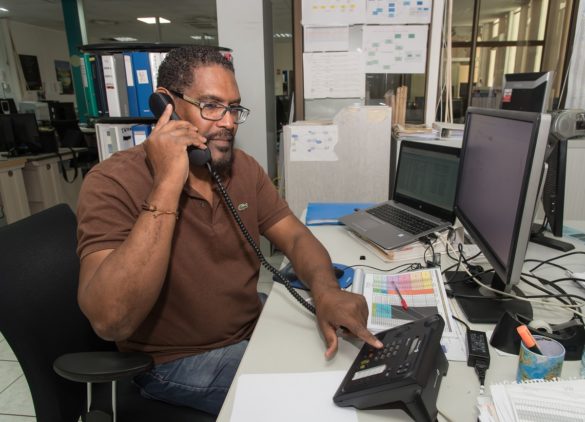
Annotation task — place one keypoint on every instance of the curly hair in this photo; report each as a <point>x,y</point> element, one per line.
<point>176,70</point>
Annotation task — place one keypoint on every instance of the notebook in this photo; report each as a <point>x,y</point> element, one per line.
<point>422,201</point>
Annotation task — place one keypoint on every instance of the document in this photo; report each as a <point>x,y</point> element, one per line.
<point>313,143</point>
<point>292,397</point>
<point>393,12</point>
<point>395,48</point>
<point>335,12</point>
<point>334,75</point>
<point>424,294</point>
<point>326,38</point>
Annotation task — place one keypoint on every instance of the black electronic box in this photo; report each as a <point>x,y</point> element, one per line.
<point>405,374</point>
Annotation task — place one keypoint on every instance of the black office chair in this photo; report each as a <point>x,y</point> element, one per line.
<point>40,319</point>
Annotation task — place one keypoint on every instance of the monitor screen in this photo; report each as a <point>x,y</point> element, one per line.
<point>26,134</point>
<point>500,172</point>
<point>527,91</point>
<point>7,106</point>
<point>428,175</point>
<point>6,133</point>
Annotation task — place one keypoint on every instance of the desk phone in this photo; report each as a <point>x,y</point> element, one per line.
<point>405,374</point>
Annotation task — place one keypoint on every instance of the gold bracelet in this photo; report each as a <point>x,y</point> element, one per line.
<point>156,212</point>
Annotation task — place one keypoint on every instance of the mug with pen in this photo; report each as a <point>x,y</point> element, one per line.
<point>539,358</point>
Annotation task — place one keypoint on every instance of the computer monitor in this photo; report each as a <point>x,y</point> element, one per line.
<point>6,133</point>
<point>61,110</point>
<point>500,170</point>
<point>7,106</point>
<point>26,134</point>
<point>527,91</point>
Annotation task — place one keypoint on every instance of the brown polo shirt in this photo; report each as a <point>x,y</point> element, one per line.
<point>209,298</point>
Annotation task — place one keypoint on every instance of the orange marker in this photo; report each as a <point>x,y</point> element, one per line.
<point>527,339</point>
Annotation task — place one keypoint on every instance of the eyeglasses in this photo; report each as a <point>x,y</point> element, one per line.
<point>215,111</point>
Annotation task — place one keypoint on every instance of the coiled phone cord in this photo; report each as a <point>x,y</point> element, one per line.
<point>252,243</point>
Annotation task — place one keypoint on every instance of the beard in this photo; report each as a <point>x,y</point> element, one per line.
<point>223,164</point>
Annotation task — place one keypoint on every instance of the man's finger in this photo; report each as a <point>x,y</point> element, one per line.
<point>164,118</point>
<point>331,340</point>
<point>368,337</point>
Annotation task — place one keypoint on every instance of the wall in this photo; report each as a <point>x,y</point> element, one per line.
<point>48,45</point>
<point>246,28</point>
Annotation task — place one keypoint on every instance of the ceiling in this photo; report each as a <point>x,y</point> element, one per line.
<point>106,19</point>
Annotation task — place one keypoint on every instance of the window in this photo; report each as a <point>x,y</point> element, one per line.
<point>510,37</point>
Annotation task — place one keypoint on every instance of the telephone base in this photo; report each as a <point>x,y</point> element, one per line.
<point>416,393</point>
<point>420,403</point>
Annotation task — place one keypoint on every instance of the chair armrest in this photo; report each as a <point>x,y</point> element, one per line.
<point>101,366</point>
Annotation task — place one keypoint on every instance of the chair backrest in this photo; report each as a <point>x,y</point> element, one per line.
<point>39,315</point>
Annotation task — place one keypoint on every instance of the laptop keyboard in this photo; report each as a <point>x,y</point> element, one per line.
<point>401,219</point>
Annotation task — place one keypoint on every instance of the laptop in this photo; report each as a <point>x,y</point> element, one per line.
<point>422,200</point>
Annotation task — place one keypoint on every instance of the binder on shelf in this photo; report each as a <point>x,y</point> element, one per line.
<point>115,85</point>
<point>131,87</point>
<point>106,141</point>
<point>98,84</point>
<point>140,133</point>
<point>155,60</point>
<point>88,86</point>
<point>143,81</point>
<point>123,137</point>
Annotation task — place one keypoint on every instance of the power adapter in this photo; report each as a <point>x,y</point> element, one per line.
<point>477,349</point>
<point>478,355</point>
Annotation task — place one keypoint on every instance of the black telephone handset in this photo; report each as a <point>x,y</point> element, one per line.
<point>202,157</point>
<point>158,102</point>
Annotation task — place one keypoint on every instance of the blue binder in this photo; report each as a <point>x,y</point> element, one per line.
<point>142,81</point>
<point>324,213</point>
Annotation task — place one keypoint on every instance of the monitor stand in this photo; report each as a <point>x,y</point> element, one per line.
<point>479,305</point>
<point>537,236</point>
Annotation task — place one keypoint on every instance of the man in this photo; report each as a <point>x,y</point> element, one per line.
<point>164,267</point>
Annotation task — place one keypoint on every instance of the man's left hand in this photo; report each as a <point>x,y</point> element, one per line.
<point>338,309</point>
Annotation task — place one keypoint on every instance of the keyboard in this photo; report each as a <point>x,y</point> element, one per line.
<point>401,219</point>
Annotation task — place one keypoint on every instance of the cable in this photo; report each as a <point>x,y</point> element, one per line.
<point>510,295</point>
<point>480,370</point>
<point>227,200</point>
<point>409,267</point>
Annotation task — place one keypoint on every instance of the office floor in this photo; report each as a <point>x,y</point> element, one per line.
<point>15,400</point>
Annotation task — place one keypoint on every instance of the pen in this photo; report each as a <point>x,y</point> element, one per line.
<point>527,339</point>
<point>402,301</point>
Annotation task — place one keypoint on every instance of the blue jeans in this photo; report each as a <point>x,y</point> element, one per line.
<point>200,381</point>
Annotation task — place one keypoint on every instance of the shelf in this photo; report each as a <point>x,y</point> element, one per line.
<point>138,46</point>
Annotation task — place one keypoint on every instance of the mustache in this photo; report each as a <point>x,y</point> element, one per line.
<point>221,134</point>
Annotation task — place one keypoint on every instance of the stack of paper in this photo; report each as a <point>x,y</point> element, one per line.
<point>535,401</point>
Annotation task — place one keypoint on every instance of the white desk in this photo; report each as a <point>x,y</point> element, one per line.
<point>45,185</point>
<point>287,340</point>
<point>32,183</point>
<point>13,197</point>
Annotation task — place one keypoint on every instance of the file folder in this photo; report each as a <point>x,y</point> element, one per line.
<point>142,81</point>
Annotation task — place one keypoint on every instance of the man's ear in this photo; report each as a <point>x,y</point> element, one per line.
<point>163,90</point>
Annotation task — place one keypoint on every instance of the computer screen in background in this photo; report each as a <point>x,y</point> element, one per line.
<point>500,170</point>
<point>6,133</point>
<point>527,91</point>
<point>26,134</point>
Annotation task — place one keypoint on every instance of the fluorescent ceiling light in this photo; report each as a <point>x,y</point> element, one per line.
<point>3,9</point>
<point>151,21</point>
<point>196,37</point>
<point>125,39</point>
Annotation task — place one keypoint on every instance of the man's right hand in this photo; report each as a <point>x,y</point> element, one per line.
<point>166,149</point>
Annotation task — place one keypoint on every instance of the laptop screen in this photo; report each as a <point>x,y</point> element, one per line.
<point>426,178</point>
